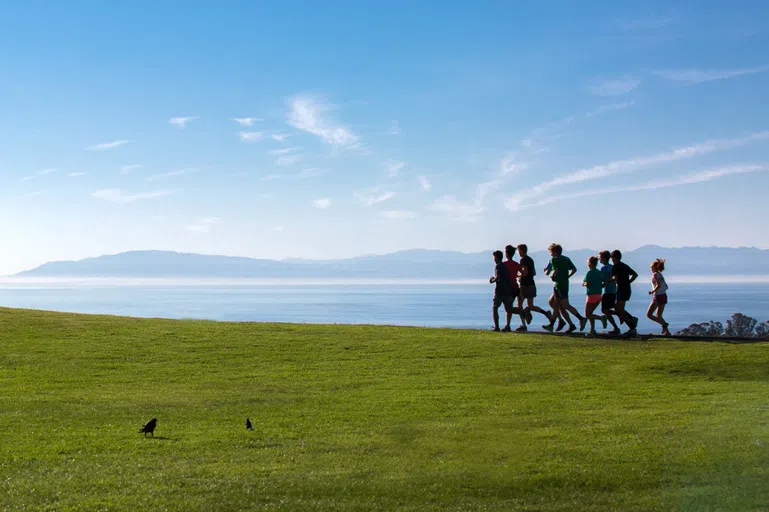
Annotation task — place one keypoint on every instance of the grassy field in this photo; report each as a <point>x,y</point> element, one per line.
<point>367,418</point>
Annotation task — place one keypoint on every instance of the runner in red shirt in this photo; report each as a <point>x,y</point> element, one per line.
<point>514,268</point>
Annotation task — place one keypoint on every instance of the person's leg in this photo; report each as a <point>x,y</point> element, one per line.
<point>563,308</point>
<point>650,312</point>
<point>589,308</point>
<point>573,310</point>
<point>495,312</point>
<point>519,309</point>
<point>537,309</point>
<point>607,303</point>
<point>553,303</point>
<point>619,309</point>
<point>629,319</point>
<point>508,302</point>
<point>660,310</point>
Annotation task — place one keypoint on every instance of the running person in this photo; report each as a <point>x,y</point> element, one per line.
<point>502,292</point>
<point>659,295</point>
<point>593,281</point>
<point>561,269</point>
<point>624,276</point>
<point>609,299</point>
<point>529,287</point>
<point>514,268</point>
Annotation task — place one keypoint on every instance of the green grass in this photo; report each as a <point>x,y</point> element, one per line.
<point>366,418</point>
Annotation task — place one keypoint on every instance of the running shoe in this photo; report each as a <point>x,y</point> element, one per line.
<point>561,324</point>
<point>548,327</point>
<point>582,323</point>
<point>528,315</point>
<point>615,332</point>
<point>495,329</point>
<point>604,321</point>
<point>521,328</point>
<point>506,329</point>
<point>571,329</point>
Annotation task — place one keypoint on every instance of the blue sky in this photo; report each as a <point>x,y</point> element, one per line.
<point>323,130</point>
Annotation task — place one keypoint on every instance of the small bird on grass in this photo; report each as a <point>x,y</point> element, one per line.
<point>149,427</point>
<point>249,426</point>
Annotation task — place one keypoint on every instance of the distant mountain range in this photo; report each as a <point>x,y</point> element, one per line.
<point>418,263</point>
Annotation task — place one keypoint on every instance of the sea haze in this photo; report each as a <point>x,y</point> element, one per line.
<point>413,264</point>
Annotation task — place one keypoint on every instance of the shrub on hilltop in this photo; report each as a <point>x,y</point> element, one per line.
<point>739,326</point>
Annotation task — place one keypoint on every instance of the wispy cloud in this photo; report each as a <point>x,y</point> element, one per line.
<point>278,229</point>
<point>372,197</point>
<point>171,174</point>
<point>394,168</point>
<point>286,160</point>
<point>129,168</point>
<point>424,182</point>
<point>310,115</point>
<point>279,137</point>
<point>631,165</point>
<point>250,136</point>
<point>283,151</point>
<point>34,193</point>
<point>472,209</point>
<point>610,107</point>
<point>203,225</point>
<point>698,76</point>
<point>614,86</point>
<point>109,145</point>
<point>76,174</point>
<point>117,196</point>
<point>395,128</point>
<point>509,166</point>
<point>47,171</point>
<point>399,214</point>
<point>687,179</point>
<point>247,121</point>
<point>463,210</point>
<point>322,204</point>
<point>182,122</point>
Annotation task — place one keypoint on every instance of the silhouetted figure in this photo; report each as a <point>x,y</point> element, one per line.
<point>149,427</point>
<point>249,426</point>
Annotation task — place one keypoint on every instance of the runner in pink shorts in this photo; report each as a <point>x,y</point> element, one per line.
<point>593,281</point>
<point>659,293</point>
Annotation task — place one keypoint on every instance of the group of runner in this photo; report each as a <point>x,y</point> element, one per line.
<point>608,287</point>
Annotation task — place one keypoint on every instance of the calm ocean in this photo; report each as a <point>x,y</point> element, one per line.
<point>463,304</point>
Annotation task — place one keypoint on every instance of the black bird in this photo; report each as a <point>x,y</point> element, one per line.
<point>149,427</point>
<point>249,426</point>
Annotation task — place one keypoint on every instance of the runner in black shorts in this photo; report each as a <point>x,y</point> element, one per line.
<point>624,276</point>
<point>528,286</point>
<point>609,299</point>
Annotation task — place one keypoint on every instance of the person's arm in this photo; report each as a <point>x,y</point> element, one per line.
<point>633,274</point>
<point>549,268</point>
<point>572,269</point>
<point>496,275</point>
<point>655,284</point>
